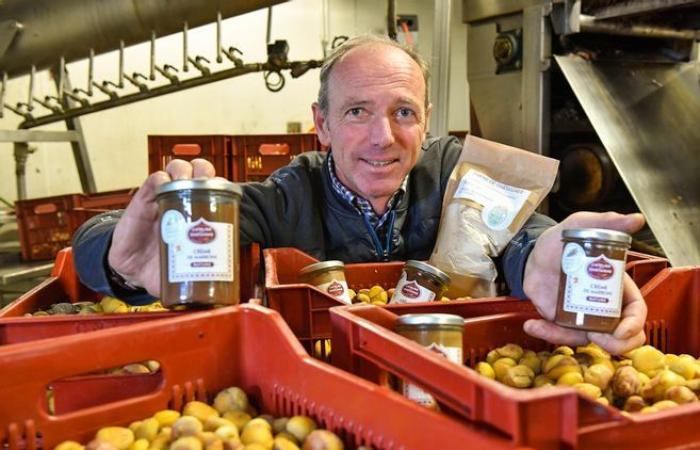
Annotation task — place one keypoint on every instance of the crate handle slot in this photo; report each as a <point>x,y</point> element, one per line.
<point>187,149</point>
<point>45,208</point>
<point>273,149</point>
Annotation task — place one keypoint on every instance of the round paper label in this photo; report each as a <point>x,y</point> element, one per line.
<point>496,216</point>
<point>172,224</point>
<point>572,258</point>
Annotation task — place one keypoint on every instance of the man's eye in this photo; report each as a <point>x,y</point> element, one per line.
<point>405,112</point>
<point>355,111</point>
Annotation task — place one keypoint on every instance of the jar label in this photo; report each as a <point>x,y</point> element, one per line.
<point>172,225</point>
<point>201,251</point>
<point>501,202</point>
<point>411,292</point>
<point>418,395</point>
<point>593,283</point>
<point>337,288</point>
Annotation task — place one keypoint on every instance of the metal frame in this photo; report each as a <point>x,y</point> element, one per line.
<point>441,68</point>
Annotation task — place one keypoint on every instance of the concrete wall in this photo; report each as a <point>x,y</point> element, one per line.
<point>116,138</point>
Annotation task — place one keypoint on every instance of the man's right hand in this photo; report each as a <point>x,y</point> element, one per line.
<point>135,250</point>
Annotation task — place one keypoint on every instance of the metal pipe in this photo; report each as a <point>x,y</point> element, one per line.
<point>30,100</point>
<point>144,94</point>
<point>185,57</point>
<point>101,25</point>
<point>60,77</point>
<point>269,26</point>
<point>589,24</point>
<point>152,65</point>
<point>391,19</point>
<point>219,59</point>
<point>3,84</point>
<point>121,65</point>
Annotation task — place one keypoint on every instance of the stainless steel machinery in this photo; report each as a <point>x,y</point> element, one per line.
<point>48,34</point>
<point>609,87</point>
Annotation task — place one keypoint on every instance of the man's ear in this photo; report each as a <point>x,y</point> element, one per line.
<point>321,125</point>
<point>428,110</point>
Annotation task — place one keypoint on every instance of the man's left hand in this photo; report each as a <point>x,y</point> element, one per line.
<point>541,285</point>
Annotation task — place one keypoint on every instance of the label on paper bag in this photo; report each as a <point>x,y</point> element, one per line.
<point>501,202</point>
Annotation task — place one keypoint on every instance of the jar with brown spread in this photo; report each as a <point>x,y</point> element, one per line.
<point>590,285</point>
<point>420,282</point>
<point>329,277</point>
<point>439,333</point>
<point>199,242</point>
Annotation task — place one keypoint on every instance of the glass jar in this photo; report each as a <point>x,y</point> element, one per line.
<point>329,277</point>
<point>590,284</point>
<point>420,282</point>
<point>199,242</point>
<point>439,333</point>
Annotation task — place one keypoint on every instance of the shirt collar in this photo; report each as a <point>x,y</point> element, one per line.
<point>361,204</point>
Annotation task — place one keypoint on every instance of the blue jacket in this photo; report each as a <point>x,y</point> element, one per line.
<point>298,207</point>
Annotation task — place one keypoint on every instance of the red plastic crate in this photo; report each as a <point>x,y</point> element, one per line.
<point>305,308</point>
<point>642,267</point>
<point>64,286</point>
<point>46,225</point>
<point>364,344</point>
<point>278,375</point>
<point>214,148</point>
<point>256,156</point>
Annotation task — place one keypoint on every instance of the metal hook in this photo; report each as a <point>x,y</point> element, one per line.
<point>167,72</point>
<point>135,81</point>
<point>46,104</point>
<point>197,62</point>
<point>83,101</point>
<point>50,98</point>
<point>19,110</point>
<point>231,55</point>
<point>104,87</point>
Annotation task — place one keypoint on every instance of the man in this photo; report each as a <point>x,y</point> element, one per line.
<point>377,196</point>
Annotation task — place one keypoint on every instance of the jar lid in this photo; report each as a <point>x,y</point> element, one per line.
<point>597,233</point>
<point>425,267</point>
<point>449,320</point>
<point>208,184</point>
<point>323,265</point>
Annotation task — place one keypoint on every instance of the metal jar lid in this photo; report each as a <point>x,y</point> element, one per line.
<point>431,320</point>
<point>600,234</point>
<point>323,265</point>
<point>425,267</point>
<point>196,184</point>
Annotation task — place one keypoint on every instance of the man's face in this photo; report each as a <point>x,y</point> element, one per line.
<point>376,120</point>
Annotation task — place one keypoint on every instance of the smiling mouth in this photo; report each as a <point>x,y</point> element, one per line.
<point>379,163</point>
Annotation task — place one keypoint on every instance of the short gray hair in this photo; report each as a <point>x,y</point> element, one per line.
<point>339,52</point>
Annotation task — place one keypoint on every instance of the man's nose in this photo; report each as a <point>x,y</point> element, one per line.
<point>381,134</point>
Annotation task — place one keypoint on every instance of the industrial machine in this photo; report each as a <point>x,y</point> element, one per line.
<point>609,87</point>
<point>47,34</point>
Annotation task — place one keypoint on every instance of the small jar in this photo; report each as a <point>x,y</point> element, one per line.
<point>439,333</point>
<point>199,242</point>
<point>420,282</point>
<point>329,277</point>
<point>590,284</point>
